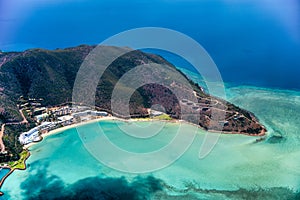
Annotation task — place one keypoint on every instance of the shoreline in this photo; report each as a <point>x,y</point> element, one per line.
<point>11,171</point>
<point>52,132</point>
<point>59,130</point>
<point>64,128</point>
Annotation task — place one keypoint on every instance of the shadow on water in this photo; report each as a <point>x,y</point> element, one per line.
<point>277,136</point>
<point>193,192</point>
<point>41,184</point>
<point>274,139</point>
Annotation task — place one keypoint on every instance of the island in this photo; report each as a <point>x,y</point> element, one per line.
<point>36,97</point>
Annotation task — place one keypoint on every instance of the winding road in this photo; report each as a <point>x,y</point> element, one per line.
<point>24,121</point>
<point>1,141</point>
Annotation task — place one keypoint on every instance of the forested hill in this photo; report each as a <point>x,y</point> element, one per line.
<point>50,75</point>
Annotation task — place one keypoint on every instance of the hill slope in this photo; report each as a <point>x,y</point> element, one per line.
<point>50,75</point>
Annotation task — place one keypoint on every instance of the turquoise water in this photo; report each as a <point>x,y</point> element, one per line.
<point>237,168</point>
<point>3,172</point>
<point>253,43</point>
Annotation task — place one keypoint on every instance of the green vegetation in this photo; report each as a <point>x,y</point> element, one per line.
<point>20,164</point>
<point>11,142</point>
<point>50,75</point>
<point>163,117</point>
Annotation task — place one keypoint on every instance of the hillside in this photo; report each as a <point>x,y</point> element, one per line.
<point>50,75</point>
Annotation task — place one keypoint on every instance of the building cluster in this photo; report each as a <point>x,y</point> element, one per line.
<point>51,118</point>
<point>33,135</point>
<point>88,114</point>
<point>196,106</point>
<point>155,113</point>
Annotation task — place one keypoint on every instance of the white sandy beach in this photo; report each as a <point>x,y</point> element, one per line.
<point>58,130</point>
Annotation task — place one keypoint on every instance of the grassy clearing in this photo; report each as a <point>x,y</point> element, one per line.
<point>163,117</point>
<point>20,164</point>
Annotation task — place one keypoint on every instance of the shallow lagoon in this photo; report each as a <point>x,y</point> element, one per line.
<point>237,168</point>
<point>3,172</point>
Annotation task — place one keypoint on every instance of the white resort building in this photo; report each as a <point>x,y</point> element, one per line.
<point>29,136</point>
<point>91,113</point>
<point>33,135</point>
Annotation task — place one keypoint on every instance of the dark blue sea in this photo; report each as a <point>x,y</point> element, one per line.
<point>252,42</point>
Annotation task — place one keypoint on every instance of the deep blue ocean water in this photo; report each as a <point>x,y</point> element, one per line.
<point>252,42</point>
